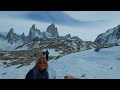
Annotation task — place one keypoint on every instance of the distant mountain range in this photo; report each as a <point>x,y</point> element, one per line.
<point>111,36</point>
<point>34,35</point>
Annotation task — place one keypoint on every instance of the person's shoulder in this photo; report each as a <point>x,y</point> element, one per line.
<point>31,71</point>
<point>28,75</point>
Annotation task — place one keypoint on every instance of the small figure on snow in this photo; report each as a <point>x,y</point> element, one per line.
<point>47,54</point>
<point>43,53</point>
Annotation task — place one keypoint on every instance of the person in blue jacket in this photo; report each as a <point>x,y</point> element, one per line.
<point>47,54</point>
<point>39,71</point>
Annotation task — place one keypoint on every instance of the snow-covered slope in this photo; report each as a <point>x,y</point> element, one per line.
<point>92,65</point>
<point>88,64</point>
<point>110,36</point>
<point>4,45</point>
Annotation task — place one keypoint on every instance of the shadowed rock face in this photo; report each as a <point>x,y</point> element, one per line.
<point>10,36</point>
<point>23,36</point>
<point>52,30</point>
<point>68,36</point>
<point>13,37</point>
<point>33,32</point>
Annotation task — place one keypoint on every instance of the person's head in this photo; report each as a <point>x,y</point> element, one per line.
<point>42,63</point>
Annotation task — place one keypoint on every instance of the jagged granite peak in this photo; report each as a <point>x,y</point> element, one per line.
<point>52,30</point>
<point>10,36</point>
<point>23,37</point>
<point>13,37</point>
<point>68,36</point>
<point>33,27</point>
<point>110,36</point>
<point>76,38</point>
<point>23,34</point>
<point>11,32</point>
<point>34,33</point>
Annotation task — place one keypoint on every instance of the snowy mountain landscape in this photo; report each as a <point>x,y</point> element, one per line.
<point>70,55</point>
<point>88,64</point>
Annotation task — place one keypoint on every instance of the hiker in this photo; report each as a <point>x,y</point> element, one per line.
<point>39,71</point>
<point>43,53</point>
<point>47,54</point>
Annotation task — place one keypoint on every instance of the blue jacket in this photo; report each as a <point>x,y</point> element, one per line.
<point>46,53</point>
<point>37,74</point>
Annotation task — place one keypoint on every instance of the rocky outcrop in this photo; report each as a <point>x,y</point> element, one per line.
<point>70,77</point>
<point>13,37</point>
<point>10,36</point>
<point>109,37</point>
<point>68,36</point>
<point>52,30</point>
<point>24,38</point>
<point>76,38</point>
<point>34,33</point>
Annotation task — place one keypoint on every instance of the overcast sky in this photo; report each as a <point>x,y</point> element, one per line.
<point>9,19</point>
<point>94,15</point>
